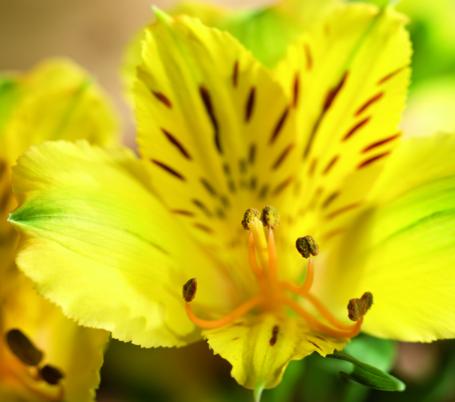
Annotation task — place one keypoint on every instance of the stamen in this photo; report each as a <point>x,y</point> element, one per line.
<point>189,290</point>
<point>316,325</point>
<point>309,276</point>
<point>227,319</point>
<point>251,221</point>
<point>271,296</point>
<point>357,308</point>
<point>273,268</point>
<point>252,256</point>
<point>249,217</point>
<point>307,246</point>
<point>270,217</point>
<point>318,305</point>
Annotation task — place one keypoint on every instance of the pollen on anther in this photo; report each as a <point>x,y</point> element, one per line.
<point>307,246</point>
<point>249,216</point>
<point>189,290</point>
<point>357,308</point>
<point>270,217</point>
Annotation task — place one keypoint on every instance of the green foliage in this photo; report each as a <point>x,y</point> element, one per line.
<point>8,96</point>
<point>368,375</point>
<point>265,32</point>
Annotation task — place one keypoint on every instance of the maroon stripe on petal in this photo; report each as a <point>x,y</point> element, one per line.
<point>168,169</point>
<point>390,75</point>
<point>249,106</point>
<point>356,127</point>
<point>371,160</point>
<point>330,165</point>
<point>377,144</point>
<point>176,143</point>
<point>371,101</point>
<point>163,99</point>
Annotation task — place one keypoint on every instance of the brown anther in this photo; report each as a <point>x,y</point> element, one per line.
<point>270,217</point>
<point>249,216</point>
<point>51,374</point>
<point>23,348</point>
<point>306,246</point>
<point>189,290</point>
<point>357,308</point>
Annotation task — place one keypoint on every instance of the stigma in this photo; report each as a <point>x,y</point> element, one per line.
<point>274,295</point>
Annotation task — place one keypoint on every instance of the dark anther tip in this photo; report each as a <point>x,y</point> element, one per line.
<point>357,308</point>
<point>51,374</point>
<point>307,246</point>
<point>189,290</point>
<point>270,217</point>
<point>23,348</point>
<point>367,299</point>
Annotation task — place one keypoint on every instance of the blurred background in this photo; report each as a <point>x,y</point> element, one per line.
<point>94,33</point>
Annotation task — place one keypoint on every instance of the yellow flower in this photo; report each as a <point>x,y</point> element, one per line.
<point>43,355</point>
<point>219,135</point>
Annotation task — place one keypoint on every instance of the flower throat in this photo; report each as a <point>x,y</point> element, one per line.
<point>273,294</point>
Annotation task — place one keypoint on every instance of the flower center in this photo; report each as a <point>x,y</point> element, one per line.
<point>274,294</point>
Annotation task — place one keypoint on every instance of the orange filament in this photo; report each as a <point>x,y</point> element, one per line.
<point>308,278</point>
<point>317,304</point>
<point>273,268</point>
<point>227,319</point>
<point>319,327</point>
<point>271,296</point>
<point>252,256</point>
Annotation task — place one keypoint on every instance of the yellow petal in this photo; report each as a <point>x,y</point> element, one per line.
<point>259,348</point>
<point>401,249</point>
<point>57,100</point>
<point>102,246</point>
<point>348,79</point>
<point>215,126</point>
<point>209,14</point>
<point>77,352</point>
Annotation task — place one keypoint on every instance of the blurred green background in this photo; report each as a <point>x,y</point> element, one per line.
<point>95,33</point>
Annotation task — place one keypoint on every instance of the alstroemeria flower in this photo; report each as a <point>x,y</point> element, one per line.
<point>44,356</point>
<point>220,134</point>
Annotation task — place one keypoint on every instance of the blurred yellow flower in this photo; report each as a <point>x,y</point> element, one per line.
<point>220,134</point>
<point>43,355</point>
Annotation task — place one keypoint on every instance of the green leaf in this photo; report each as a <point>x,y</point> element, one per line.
<point>369,376</point>
<point>265,32</point>
<point>379,353</point>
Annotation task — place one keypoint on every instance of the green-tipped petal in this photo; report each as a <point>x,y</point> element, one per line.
<point>102,246</point>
